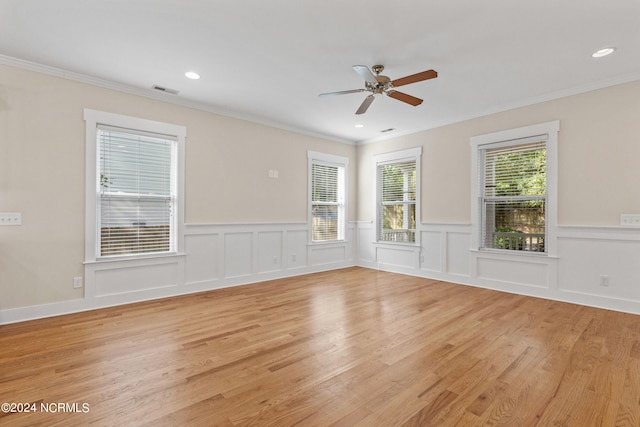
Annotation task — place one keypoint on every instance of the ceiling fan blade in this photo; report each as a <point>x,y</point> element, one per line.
<point>418,77</point>
<point>365,104</point>
<point>343,92</point>
<point>365,73</point>
<point>401,96</point>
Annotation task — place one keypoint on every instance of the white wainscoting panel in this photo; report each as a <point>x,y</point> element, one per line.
<point>432,256</point>
<point>512,272</point>
<point>238,254</point>
<point>270,251</point>
<point>121,281</point>
<point>202,262</point>
<point>247,253</point>
<point>227,255</point>
<point>592,255</point>
<point>114,278</point>
<point>133,279</point>
<point>445,251</point>
<point>442,254</point>
<point>323,255</point>
<point>397,257</point>
<point>587,257</point>
<point>296,250</point>
<point>216,256</point>
<point>327,253</point>
<point>457,252</point>
<point>366,254</point>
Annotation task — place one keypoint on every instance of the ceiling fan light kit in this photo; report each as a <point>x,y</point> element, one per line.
<point>379,84</point>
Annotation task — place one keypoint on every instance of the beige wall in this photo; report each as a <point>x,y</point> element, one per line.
<point>598,169</point>
<point>227,163</point>
<point>42,151</point>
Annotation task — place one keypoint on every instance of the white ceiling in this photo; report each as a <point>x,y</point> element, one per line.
<point>267,61</point>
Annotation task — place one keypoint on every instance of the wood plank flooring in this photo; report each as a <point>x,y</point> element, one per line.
<point>352,347</point>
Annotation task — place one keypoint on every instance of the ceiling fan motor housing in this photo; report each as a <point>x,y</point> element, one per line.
<point>384,83</point>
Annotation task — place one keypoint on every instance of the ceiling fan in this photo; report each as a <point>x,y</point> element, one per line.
<point>375,83</point>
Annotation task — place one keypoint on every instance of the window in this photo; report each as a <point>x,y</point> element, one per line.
<point>515,189</point>
<point>514,196</point>
<point>397,182</point>
<point>136,192</point>
<point>327,195</point>
<point>134,171</point>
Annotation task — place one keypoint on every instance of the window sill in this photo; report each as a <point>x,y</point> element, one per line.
<point>327,243</point>
<point>142,259</point>
<point>397,244</point>
<point>497,253</point>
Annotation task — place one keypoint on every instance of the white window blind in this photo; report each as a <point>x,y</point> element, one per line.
<point>327,201</point>
<point>136,192</point>
<point>396,201</point>
<point>514,195</point>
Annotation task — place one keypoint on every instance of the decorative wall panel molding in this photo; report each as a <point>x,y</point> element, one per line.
<point>216,256</point>
<point>595,266</point>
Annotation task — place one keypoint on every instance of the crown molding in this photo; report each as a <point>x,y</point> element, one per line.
<point>158,96</point>
<point>551,96</point>
<point>176,100</point>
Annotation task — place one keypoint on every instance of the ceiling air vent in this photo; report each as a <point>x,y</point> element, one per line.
<point>165,89</point>
<point>387,130</point>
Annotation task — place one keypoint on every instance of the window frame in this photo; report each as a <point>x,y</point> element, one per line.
<point>340,162</point>
<point>93,119</point>
<point>402,156</point>
<point>549,131</point>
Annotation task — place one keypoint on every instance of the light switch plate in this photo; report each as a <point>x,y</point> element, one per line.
<point>10,218</point>
<point>630,220</point>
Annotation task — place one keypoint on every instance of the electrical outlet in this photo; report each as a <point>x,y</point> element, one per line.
<point>77,282</point>
<point>11,218</point>
<point>294,258</point>
<point>275,259</point>
<point>604,280</point>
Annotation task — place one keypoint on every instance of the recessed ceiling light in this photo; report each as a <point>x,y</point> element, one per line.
<point>192,75</point>
<point>359,125</point>
<point>603,52</point>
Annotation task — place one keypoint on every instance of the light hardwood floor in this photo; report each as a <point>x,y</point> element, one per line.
<point>352,347</point>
